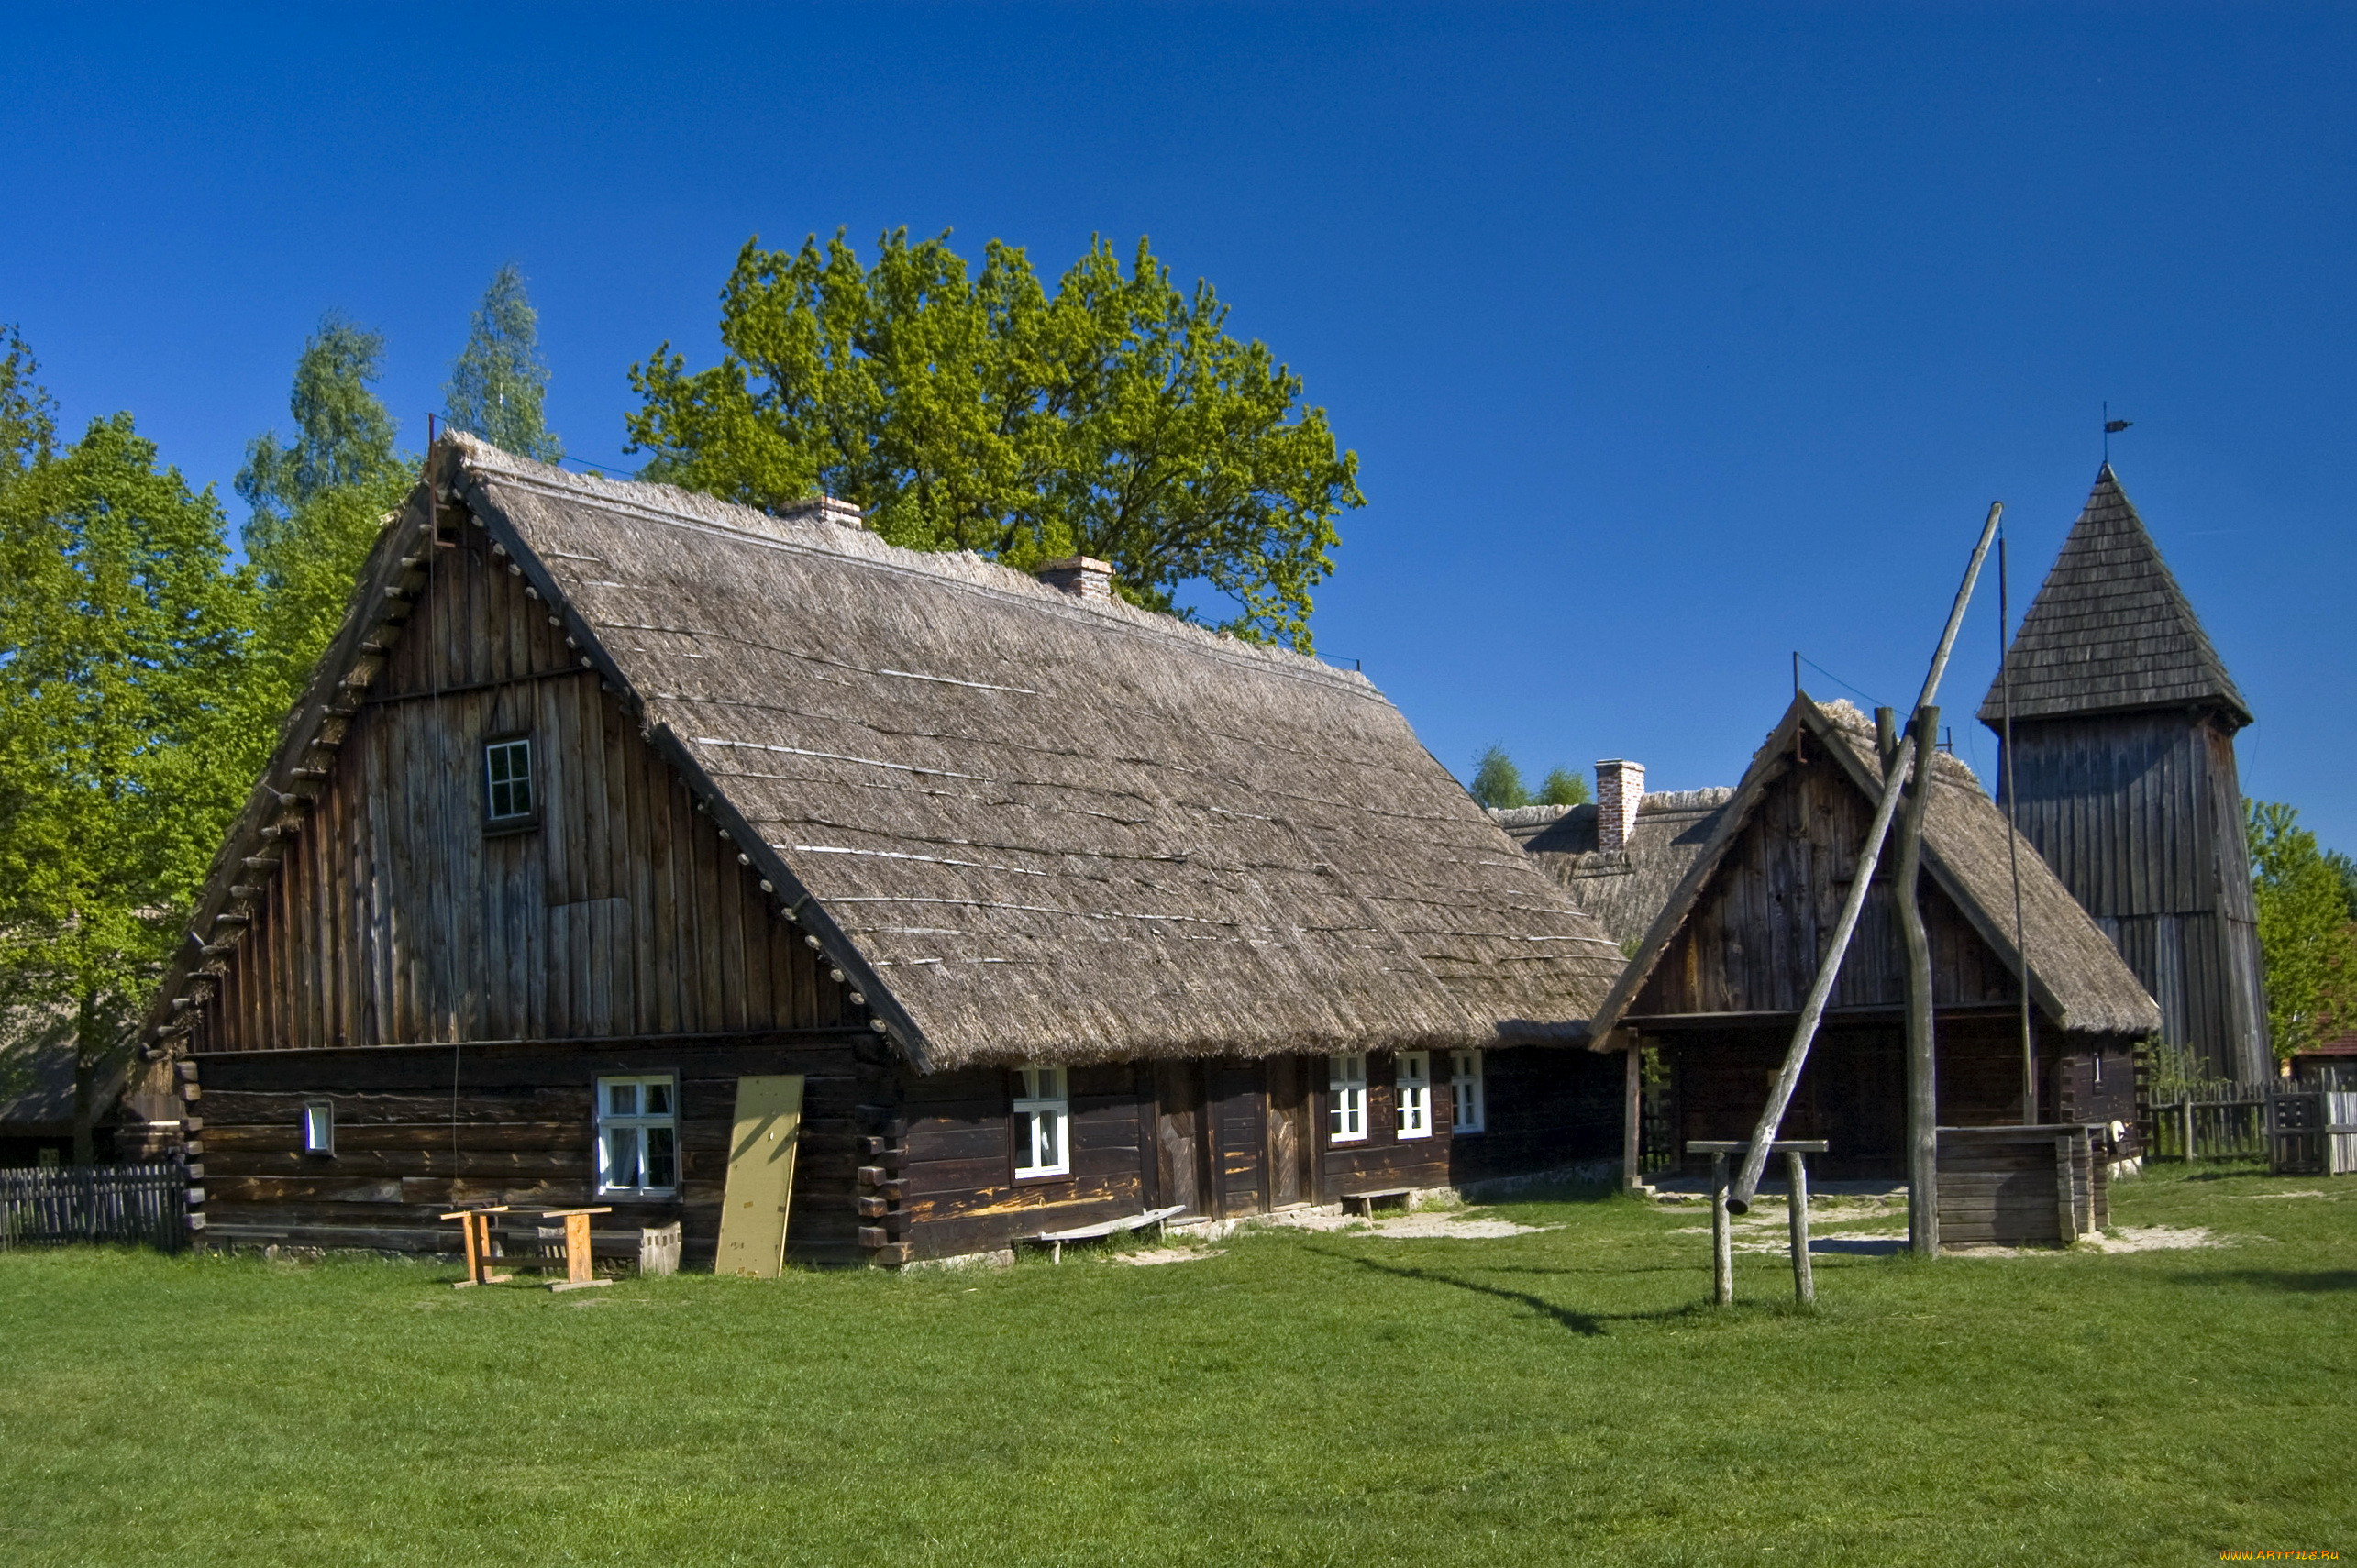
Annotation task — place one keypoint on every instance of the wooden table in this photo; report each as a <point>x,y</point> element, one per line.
<point>474,1228</point>
<point>581,1270</point>
<point>1723,1237</point>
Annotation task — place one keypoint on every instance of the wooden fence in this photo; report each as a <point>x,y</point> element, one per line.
<point>53,1204</point>
<point>2297,1129</point>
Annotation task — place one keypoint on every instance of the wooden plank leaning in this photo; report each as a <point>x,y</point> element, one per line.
<point>1812,1012</point>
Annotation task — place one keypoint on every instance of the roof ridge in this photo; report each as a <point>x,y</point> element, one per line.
<point>883,555</point>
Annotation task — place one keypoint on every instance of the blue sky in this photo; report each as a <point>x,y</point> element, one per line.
<point>1670,339</point>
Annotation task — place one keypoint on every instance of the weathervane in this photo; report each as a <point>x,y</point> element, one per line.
<point>2111,427</point>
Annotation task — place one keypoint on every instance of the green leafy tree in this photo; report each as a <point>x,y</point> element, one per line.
<point>1563,788</point>
<point>2346,869</point>
<point>498,383</point>
<point>2304,936</point>
<point>122,752</point>
<point>317,505</point>
<point>1117,418</point>
<point>28,416</point>
<point>1497,782</point>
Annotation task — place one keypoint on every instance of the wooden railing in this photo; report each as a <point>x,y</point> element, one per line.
<point>2296,1128</point>
<point>54,1205</point>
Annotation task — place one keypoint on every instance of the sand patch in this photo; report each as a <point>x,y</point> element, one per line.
<point>2262,1196</point>
<point>1446,1225</point>
<point>2127,1238</point>
<point>1166,1254</point>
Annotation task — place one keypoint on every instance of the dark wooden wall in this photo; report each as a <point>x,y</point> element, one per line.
<point>419,1131</point>
<point>1754,940</point>
<point>2140,816</point>
<point>1854,1092</point>
<point>1222,1139</point>
<point>396,917</point>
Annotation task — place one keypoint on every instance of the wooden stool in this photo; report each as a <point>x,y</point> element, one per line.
<point>580,1270</point>
<point>474,1228</point>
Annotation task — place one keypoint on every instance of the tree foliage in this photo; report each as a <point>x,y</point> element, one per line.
<point>498,383</point>
<point>1563,787</point>
<point>122,751</point>
<point>1117,418</point>
<point>2304,935</point>
<point>28,416</point>
<point>1497,782</point>
<point>317,504</point>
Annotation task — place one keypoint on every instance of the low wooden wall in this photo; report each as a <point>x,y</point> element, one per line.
<point>2037,1185</point>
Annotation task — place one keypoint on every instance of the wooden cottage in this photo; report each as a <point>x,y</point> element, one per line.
<point>2123,756</point>
<point>1750,885</point>
<point>608,797</point>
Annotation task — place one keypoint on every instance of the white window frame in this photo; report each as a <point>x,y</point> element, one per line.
<point>319,1128</point>
<point>1412,1093</point>
<point>508,748</point>
<point>1346,1098</point>
<point>1042,1123</point>
<point>1468,1096</point>
<point>639,1121</point>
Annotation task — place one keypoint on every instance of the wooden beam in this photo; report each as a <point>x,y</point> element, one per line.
<point>1922,1057</point>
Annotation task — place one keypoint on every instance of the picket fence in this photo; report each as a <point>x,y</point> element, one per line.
<point>54,1205</point>
<point>2296,1128</point>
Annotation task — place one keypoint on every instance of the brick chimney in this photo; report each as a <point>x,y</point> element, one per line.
<point>1620,785</point>
<point>1082,577</point>
<point>825,509</point>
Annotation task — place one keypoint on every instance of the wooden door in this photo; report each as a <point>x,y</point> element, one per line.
<point>1289,1143</point>
<point>761,1176</point>
<point>1178,1135</point>
<point>1236,1110</point>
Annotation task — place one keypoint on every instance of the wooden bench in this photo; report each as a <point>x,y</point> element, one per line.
<point>1055,1239</point>
<point>1366,1202</point>
<point>654,1249</point>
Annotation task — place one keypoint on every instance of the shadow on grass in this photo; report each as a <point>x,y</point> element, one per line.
<point>2298,1281</point>
<point>1589,1324</point>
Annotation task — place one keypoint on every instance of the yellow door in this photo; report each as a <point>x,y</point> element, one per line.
<point>761,1176</point>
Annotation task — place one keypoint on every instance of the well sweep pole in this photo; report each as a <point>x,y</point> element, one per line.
<point>1813,1011</point>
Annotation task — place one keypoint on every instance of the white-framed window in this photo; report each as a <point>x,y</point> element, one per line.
<point>508,799</point>
<point>1043,1123</point>
<point>638,1136</point>
<point>1346,1098</point>
<point>1469,1106</point>
<point>1411,1091</point>
<point>318,1127</point>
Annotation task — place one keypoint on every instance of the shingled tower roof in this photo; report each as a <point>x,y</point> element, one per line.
<point>2110,629</point>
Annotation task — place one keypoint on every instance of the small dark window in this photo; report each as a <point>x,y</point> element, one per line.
<point>507,783</point>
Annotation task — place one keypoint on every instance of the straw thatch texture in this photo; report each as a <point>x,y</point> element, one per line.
<point>1055,828</point>
<point>2110,629</point>
<point>1624,890</point>
<point>2076,976</point>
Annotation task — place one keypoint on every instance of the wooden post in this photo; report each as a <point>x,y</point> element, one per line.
<point>1804,1283</point>
<point>1829,969</point>
<point>2188,1108</point>
<point>1922,1058</point>
<point>1633,1088</point>
<point>1723,1239</point>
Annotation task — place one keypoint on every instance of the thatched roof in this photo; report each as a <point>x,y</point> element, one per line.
<point>1623,889</point>
<point>2076,976</point>
<point>1028,824</point>
<point>2110,629</point>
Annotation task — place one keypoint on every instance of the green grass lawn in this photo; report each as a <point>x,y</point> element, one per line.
<point>1302,1397</point>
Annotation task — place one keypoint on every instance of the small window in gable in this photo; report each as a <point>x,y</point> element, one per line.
<point>319,1128</point>
<point>510,799</point>
<point>1346,1098</point>
<point>1043,1123</point>
<point>1411,1086</point>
